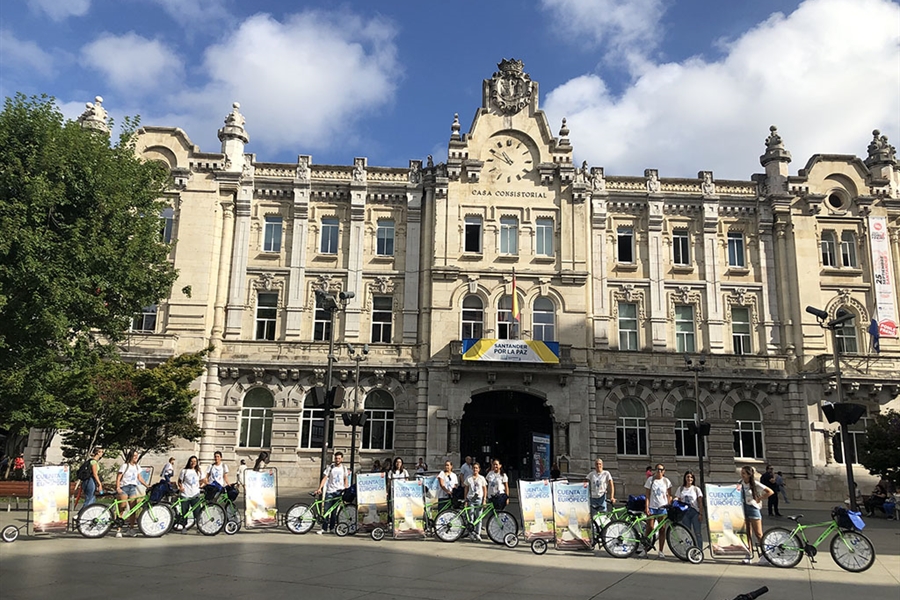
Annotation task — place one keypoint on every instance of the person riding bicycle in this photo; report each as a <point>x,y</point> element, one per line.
<point>334,481</point>
<point>476,488</point>
<point>498,486</point>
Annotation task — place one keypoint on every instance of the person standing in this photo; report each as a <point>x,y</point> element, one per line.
<point>753,493</point>
<point>334,481</point>
<point>476,487</point>
<point>127,480</point>
<point>19,467</point>
<point>780,487</point>
<point>189,484</point>
<point>498,486</point>
<point>465,471</point>
<point>602,487</point>
<point>659,494</point>
<point>421,467</point>
<point>218,471</point>
<point>447,482</point>
<point>168,470</point>
<point>92,484</point>
<point>691,495</point>
<point>768,480</point>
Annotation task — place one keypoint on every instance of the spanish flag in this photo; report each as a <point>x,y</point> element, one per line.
<point>515,299</point>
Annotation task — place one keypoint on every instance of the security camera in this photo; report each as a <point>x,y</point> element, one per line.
<point>818,313</point>
<point>351,348</point>
<point>842,316</point>
<point>346,295</point>
<point>365,348</point>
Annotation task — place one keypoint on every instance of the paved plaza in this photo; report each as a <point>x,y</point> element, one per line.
<point>276,564</point>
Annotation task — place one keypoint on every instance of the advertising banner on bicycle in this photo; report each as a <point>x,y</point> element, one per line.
<point>50,498</point>
<point>431,495</point>
<point>536,502</point>
<point>146,475</point>
<point>572,515</point>
<point>540,448</point>
<point>409,509</point>
<point>261,498</point>
<point>725,519</point>
<point>371,498</point>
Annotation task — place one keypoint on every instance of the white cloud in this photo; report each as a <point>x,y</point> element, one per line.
<point>826,74</point>
<point>133,64</point>
<point>59,10</point>
<point>23,55</point>
<point>303,82</point>
<point>196,13</point>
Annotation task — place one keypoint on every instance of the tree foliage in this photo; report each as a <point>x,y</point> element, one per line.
<point>880,452</point>
<point>80,251</point>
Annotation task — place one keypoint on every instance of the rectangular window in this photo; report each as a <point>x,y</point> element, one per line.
<point>473,234</point>
<point>509,235</point>
<point>272,234</point>
<point>166,225</point>
<point>748,442</point>
<point>321,323</point>
<point>828,256</point>
<point>544,233</point>
<point>145,321</point>
<point>681,254</point>
<point>740,330</point>
<point>848,250</point>
<point>736,249</point>
<point>256,428</point>
<point>845,336</point>
<point>628,326</point>
<point>329,243</point>
<point>684,328</point>
<point>382,315</point>
<point>385,238</point>
<point>625,245</point>
<point>266,311</point>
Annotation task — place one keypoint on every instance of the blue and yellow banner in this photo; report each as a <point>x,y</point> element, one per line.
<point>528,351</point>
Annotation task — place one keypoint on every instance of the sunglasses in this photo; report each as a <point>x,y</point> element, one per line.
<point>660,470</point>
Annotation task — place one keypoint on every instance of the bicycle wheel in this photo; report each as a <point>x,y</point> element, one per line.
<point>299,518</point>
<point>348,516</point>
<point>155,520</point>
<point>210,519</point>
<point>781,548</point>
<point>852,551</point>
<point>95,520</point>
<point>10,533</point>
<point>695,555</point>
<point>448,526</point>
<point>511,540</point>
<point>539,546</point>
<point>232,527</point>
<point>620,539</point>
<point>378,534</point>
<point>680,540</point>
<point>500,524</point>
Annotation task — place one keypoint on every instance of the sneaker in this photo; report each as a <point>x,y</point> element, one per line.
<point>320,532</point>
<point>746,561</point>
<point>119,533</point>
<point>763,561</point>
<point>132,533</point>
<point>478,538</point>
<point>661,554</point>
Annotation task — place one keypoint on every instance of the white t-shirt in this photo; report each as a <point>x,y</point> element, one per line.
<point>689,495</point>
<point>216,473</point>
<point>448,480</point>
<point>403,474</point>
<point>337,476</point>
<point>599,482</point>
<point>476,485</point>
<point>496,483</point>
<point>658,491</point>
<point>465,471</point>
<point>129,474</point>
<point>167,470</point>
<point>190,483</point>
<point>420,469</point>
<point>748,493</point>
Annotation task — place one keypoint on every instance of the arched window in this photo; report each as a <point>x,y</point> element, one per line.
<point>857,434</point>
<point>543,319</point>
<point>507,327</point>
<point>631,428</point>
<point>845,335</point>
<point>378,431</point>
<point>748,432</point>
<point>256,419</point>
<point>312,420</point>
<point>685,441</point>
<point>472,318</point>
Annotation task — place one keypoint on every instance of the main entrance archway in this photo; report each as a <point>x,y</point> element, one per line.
<point>500,424</point>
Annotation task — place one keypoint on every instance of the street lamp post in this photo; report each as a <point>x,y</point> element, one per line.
<point>698,422</point>
<point>332,305</point>
<point>355,416</point>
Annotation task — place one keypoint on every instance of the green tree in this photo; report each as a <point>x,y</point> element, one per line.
<point>880,452</point>
<point>80,253</point>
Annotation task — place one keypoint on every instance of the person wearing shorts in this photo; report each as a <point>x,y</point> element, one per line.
<point>127,480</point>
<point>659,494</point>
<point>753,493</point>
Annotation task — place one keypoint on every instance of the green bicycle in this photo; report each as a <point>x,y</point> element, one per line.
<point>621,538</point>
<point>301,518</point>
<point>95,520</point>
<point>850,549</point>
<point>451,524</point>
<point>209,517</point>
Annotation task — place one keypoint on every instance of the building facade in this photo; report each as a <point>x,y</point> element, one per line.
<point>627,274</point>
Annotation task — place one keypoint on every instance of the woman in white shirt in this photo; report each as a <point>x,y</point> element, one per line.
<point>127,480</point>
<point>498,486</point>
<point>189,484</point>
<point>691,495</point>
<point>476,489</point>
<point>753,493</point>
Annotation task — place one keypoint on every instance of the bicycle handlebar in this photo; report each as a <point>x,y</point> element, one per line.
<point>752,595</point>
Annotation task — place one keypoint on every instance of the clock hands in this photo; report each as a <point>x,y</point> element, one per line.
<point>506,157</point>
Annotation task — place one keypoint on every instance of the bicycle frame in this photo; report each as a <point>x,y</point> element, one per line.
<point>830,527</point>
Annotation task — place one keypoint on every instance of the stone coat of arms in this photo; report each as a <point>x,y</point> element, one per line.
<point>511,87</point>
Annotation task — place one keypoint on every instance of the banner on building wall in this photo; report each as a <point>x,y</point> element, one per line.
<point>50,498</point>
<point>540,452</point>
<point>885,303</point>
<point>536,503</point>
<point>528,351</point>
<point>409,508</point>
<point>431,486</point>
<point>261,498</point>
<point>371,498</point>
<point>572,515</point>
<point>725,519</point>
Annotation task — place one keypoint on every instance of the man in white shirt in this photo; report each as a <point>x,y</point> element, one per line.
<point>602,487</point>
<point>447,482</point>
<point>465,470</point>
<point>659,494</point>
<point>334,481</point>
<point>218,471</point>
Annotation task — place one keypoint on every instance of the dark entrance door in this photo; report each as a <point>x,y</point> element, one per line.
<point>500,425</point>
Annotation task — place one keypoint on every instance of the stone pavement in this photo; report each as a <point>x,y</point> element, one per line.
<point>276,564</point>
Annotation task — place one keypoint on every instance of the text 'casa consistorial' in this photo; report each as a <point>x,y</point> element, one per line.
<point>509,194</point>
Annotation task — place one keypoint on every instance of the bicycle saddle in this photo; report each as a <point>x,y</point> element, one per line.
<point>795,517</point>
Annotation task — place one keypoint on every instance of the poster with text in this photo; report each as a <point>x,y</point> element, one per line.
<point>540,448</point>
<point>572,515</point>
<point>146,475</point>
<point>725,518</point>
<point>50,498</point>
<point>261,498</point>
<point>409,509</point>
<point>431,494</point>
<point>371,498</point>
<point>883,276</point>
<point>536,502</point>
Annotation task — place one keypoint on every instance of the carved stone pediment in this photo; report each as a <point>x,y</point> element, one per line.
<point>511,88</point>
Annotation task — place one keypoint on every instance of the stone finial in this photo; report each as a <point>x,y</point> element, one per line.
<point>564,132</point>
<point>234,125</point>
<point>94,116</point>
<point>454,128</point>
<point>774,149</point>
<point>880,151</point>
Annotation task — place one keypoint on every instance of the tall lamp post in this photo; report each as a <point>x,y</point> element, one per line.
<point>700,428</point>
<point>332,305</point>
<point>355,418</point>
<point>845,414</point>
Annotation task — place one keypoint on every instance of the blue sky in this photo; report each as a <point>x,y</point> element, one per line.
<point>677,85</point>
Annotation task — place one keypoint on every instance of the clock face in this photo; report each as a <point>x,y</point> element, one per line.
<point>507,160</point>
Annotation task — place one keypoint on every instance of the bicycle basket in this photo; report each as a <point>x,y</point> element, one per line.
<point>676,511</point>
<point>232,492</point>
<point>636,503</point>
<point>212,491</point>
<point>349,494</point>
<point>847,519</point>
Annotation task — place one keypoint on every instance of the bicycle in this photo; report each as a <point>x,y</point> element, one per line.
<point>622,537</point>
<point>301,518</point>
<point>233,520</point>
<point>95,520</point>
<point>451,524</point>
<point>209,517</point>
<point>850,549</point>
<point>378,533</point>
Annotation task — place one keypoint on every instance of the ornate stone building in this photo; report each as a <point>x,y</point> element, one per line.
<point>627,274</point>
